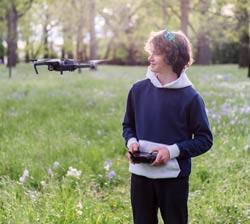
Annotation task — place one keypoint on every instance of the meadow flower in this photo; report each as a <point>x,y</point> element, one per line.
<point>79,208</point>
<point>78,212</point>
<point>111,174</point>
<point>23,177</point>
<point>43,183</point>
<point>224,108</point>
<point>90,104</point>
<point>215,116</point>
<point>33,195</point>
<point>79,205</point>
<point>107,165</point>
<point>244,120</point>
<point>99,132</point>
<point>55,165</point>
<point>247,147</point>
<point>50,172</point>
<point>73,172</point>
<point>25,173</point>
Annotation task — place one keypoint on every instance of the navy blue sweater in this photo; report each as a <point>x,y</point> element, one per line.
<point>168,116</point>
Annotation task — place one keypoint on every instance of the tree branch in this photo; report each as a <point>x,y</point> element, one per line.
<point>179,16</point>
<point>27,5</point>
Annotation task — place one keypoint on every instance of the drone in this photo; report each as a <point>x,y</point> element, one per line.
<point>65,65</point>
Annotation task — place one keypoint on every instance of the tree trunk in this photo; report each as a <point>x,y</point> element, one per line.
<point>203,54</point>
<point>92,12</point>
<point>164,7</point>
<point>248,75</point>
<point>12,18</point>
<point>27,53</point>
<point>242,14</point>
<point>131,55</point>
<point>68,42</point>
<point>79,40</point>
<point>184,15</point>
<point>45,37</point>
<point>2,51</point>
<point>107,52</point>
<point>244,50</point>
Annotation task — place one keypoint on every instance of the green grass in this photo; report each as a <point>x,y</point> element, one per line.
<point>75,119</point>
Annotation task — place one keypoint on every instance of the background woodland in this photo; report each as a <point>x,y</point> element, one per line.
<point>117,30</point>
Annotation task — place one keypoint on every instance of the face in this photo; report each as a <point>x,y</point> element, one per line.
<point>156,60</point>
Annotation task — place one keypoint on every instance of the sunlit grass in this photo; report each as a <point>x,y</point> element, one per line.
<point>74,120</point>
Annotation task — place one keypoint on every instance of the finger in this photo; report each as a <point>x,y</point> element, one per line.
<point>135,149</point>
<point>157,161</point>
<point>153,150</point>
<point>129,158</point>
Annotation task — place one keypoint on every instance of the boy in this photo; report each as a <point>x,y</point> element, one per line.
<point>166,115</point>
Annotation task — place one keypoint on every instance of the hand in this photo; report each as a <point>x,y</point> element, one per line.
<point>163,155</point>
<point>134,147</point>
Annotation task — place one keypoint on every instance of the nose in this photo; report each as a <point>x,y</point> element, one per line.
<point>150,57</point>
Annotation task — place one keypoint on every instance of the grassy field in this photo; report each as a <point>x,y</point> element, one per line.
<point>63,160</point>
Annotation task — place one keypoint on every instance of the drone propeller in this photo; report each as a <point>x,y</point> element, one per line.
<point>97,61</point>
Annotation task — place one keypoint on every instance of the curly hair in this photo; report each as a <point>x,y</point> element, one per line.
<point>177,51</point>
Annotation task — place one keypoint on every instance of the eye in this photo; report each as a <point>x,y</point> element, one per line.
<point>156,53</point>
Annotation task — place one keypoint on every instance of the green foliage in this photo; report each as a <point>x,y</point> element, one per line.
<point>61,28</point>
<point>225,53</point>
<point>63,160</point>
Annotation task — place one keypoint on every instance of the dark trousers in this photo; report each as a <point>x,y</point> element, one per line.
<point>169,195</point>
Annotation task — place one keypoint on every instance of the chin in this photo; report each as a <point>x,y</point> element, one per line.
<point>153,69</point>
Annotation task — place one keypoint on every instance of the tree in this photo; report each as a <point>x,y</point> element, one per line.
<point>3,4</point>
<point>125,31</point>
<point>16,9</point>
<point>184,15</point>
<point>71,27</point>
<point>203,54</point>
<point>2,51</point>
<point>92,33</point>
<point>242,12</point>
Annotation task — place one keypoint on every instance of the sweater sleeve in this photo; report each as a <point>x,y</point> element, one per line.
<point>129,131</point>
<point>199,127</point>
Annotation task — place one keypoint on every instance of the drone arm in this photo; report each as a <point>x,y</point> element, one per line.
<point>37,63</point>
<point>35,68</point>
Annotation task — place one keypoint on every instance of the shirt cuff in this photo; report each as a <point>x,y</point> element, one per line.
<point>174,151</point>
<point>132,141</point>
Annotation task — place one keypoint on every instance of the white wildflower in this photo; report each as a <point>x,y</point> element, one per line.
<point>23,177</point>
<point>79,208</point>
<point>25,173</point>
<point>43,183</point>
<point>79,205</point>
<point>99,132</point>
<point>107,165</point>
<point>33,195</point>
<point>73,172</point>
<point>247,147</point>
<point>78,212</point>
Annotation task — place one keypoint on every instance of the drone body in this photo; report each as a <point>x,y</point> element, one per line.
<point>65,65</point>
